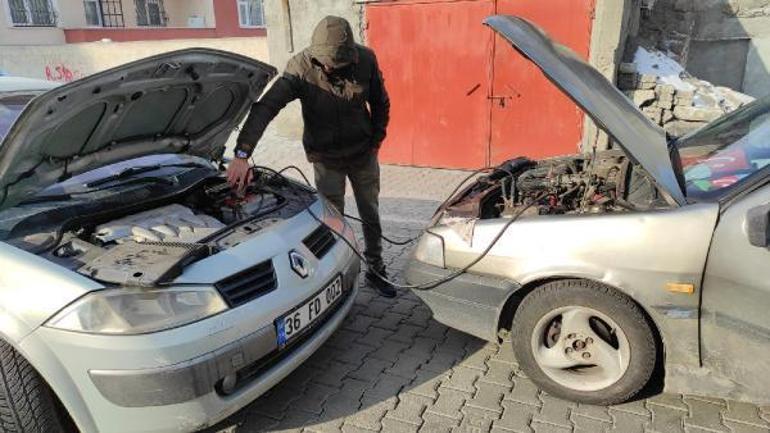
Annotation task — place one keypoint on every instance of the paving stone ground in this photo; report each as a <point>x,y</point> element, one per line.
<point>392,368</point>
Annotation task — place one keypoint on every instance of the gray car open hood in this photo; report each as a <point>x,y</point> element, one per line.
<point>186,101</point>
<point>642,140</point>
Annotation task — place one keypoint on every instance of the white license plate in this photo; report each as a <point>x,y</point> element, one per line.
<point>303,316</point>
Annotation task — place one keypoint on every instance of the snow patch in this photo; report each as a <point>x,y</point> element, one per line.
<point>665,68</point>
<point>669,71</point>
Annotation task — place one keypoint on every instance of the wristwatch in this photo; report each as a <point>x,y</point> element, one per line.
<point>242,154</point>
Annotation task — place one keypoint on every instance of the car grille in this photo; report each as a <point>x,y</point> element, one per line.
<point>249,284</point>
<point>320,241</point>
<point>252,371</point>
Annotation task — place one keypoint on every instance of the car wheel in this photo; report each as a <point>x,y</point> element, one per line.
<point>27,404</point>
<point>584,341</point>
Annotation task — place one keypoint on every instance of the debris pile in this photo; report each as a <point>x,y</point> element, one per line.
<point>671,97</point>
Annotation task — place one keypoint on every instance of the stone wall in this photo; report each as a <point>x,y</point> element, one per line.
<point>679,105</point>
<point>724,41</point>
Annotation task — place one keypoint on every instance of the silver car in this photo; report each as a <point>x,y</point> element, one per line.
<point>606,267</point>
<point>137,291</point>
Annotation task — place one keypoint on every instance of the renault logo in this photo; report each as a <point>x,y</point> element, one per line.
<point>299,264</point>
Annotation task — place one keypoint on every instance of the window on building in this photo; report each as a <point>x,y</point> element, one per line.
<point>112,13</point>
<point>150,13</point>
<point>104,13</point>
<point>32,13</point>
<point>251,13</point>
<point>93,12</point>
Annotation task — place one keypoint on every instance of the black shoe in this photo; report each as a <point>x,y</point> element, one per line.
<point>383,287</point>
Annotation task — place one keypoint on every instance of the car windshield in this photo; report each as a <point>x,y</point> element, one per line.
<point>10,108</point>
<point>723,154</point>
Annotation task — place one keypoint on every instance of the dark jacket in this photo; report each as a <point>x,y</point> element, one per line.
<point>339,127</point>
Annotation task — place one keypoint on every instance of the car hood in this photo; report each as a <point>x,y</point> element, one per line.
<point>613,112</point>
<point>186,101</point>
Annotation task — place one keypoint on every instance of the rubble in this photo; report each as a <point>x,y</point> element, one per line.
<point>671,97</point>
<point>697,114</point>
<point>641,97</point>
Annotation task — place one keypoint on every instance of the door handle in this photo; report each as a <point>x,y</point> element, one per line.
<point>758,226</point>
<point>500,99</point>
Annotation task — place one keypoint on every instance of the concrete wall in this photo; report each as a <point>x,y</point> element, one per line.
<point>179,11</point>
<point>755,78</point>
<point>26,35</point>
<point>723,41</point>
<point>73,61</point>
<point>291,24</point>
<point>72,13</point>
<point>614,21</point>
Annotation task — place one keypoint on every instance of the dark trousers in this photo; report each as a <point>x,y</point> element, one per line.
<point>365,180</point>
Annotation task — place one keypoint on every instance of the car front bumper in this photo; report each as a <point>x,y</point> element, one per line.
<point>173,380</point>
<point>470,303</point>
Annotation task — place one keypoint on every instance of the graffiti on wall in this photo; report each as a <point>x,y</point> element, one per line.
<point>62,73</point>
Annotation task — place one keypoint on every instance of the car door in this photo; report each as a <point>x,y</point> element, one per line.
<point>735,316</point>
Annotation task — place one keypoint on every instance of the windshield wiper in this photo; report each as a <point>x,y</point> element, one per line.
<point>133,171</point>
<point>71,195</point>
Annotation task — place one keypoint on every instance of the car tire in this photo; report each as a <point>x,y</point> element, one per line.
<point>554,336</point>
<point>27,404</point>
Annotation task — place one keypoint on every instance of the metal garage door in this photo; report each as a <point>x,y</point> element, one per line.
<point>461,97</point>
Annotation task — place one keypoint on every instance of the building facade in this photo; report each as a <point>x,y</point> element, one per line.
<point>64,40</point>
<point>53,22</point>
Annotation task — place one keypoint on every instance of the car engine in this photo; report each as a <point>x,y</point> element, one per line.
<point>605,182</point>
<point>122,240</point>
<point>172,223</point>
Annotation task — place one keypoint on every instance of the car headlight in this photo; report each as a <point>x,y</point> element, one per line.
<point>430,250</point>
<point>336,221</point>
<point>128,311</point>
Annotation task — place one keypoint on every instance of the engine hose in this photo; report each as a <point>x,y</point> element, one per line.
<point>425,286</point>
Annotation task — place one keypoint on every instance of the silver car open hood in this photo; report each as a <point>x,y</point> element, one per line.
<point>186,101</point>
<point>642,140</point>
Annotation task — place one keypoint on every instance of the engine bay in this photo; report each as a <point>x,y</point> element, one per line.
<point>147,243</point>
<point>583,184</point>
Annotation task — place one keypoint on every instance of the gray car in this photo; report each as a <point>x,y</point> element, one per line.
<point>606,267</point>
<point>137,291</point>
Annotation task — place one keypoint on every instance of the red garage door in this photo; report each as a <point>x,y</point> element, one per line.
<point>530,116</point>
<point>437,71</point>
<point>463,98</point>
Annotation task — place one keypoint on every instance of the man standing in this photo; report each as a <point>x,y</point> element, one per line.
<point>345,109</point>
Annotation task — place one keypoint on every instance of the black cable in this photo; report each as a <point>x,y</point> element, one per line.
<point>425,286</point>
<point>385,238</point>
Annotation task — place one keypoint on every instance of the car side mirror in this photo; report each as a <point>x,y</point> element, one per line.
<point>758,226</point>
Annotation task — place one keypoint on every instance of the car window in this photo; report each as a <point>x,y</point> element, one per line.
<point>10,108</point>
<point>719,157</point>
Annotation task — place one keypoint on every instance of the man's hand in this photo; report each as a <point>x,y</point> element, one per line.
<point>239,174</point>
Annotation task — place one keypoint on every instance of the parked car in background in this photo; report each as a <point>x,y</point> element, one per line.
<point>602,265</point>
<point>137,292</point>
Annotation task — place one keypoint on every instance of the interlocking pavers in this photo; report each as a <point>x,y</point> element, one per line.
<point>516,417</point>
<point>554,411</point>
<point>744,413</point>
<point>705,415</point>
<point>627,422</point>
<point>665,419</point>
<point>410,408</point>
